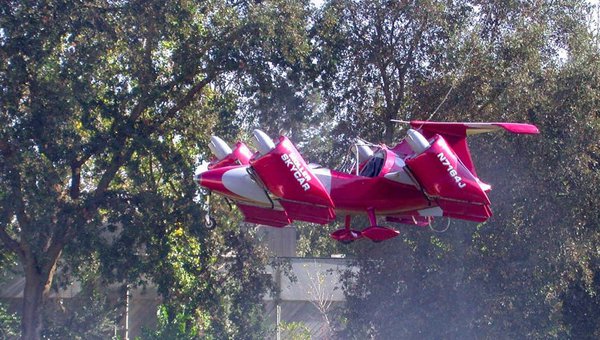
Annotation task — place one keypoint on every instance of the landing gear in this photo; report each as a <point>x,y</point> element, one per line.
<point>346,235</point>
<point>209,222</point>
<point>376,233</point>
<point>439,230</point>
<point>373,232</point>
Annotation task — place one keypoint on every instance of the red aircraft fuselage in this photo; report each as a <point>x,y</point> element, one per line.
<point>430,173</point>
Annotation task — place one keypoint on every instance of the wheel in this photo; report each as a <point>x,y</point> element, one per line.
<point>209,222</point>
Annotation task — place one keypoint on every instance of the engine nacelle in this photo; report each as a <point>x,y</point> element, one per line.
<point>225,156</point>
<point>219,148</point>
<point>417,142</point>
<point>265,143</point>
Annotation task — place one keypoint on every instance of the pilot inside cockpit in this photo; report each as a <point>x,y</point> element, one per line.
<point>374,165</point>
<point>369,163</point>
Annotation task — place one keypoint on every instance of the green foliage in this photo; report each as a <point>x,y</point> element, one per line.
<point>530,271</point>
<point>294,331</point>
<point>105,114</point>
<point>91,314</point>
<point>107,107</point>
<point>180,326</point>
<point>9,323</point>
<point>374,56</point>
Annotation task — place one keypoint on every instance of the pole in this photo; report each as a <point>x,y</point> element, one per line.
<point>278,322</point>
<point>127,313</point>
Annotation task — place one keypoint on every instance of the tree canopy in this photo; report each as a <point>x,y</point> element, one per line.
<point>530,271</point>
<point>106,108</point>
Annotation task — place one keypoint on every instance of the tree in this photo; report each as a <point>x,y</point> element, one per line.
<point>9,323</point>
<point>522,273</point>
<point>104,107</point>
<point>281,99</point>
<point>375,55</point>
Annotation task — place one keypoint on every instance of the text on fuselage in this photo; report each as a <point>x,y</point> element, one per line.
<point>451,171</point>
<point>299,172</point>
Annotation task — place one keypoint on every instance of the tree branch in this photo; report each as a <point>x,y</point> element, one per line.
<point>189,96</point>
<point>10,243</point>
<point>5,148</point>
<point>118,160</point>
<point>15,179</point>
<point>407,62</point>
<point>123,154</point>
<point>75,181</point>
<point>55,249</point>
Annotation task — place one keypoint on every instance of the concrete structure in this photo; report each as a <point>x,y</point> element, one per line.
<point>308,297</point>
<point>140,304</point>
<point>281,242</point>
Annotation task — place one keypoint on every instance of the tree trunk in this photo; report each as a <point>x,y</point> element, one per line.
<point>37,287</point>
<point>388,137</point>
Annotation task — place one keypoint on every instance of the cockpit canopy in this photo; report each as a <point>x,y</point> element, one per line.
<point>373,166</point>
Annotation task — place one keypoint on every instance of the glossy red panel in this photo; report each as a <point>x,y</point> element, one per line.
<point>239,156</point>
<point>441,173</point>
<point>286,175</point>
<point>266,216</point>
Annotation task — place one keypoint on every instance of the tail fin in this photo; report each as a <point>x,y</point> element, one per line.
<point>456,134</point>
<point>445,169</point>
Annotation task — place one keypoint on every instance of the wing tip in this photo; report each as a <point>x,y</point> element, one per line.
<point>520,128</point>
<point>480,127</point>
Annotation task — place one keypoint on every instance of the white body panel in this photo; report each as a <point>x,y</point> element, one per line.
<point>417,142</point>
<point>265,144</point>
<point>239,182</point>
<point>218,147</point>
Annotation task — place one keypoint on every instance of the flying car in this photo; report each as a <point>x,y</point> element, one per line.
<point>430,173</point>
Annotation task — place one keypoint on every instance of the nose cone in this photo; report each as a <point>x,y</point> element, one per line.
<point>212,180</point>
